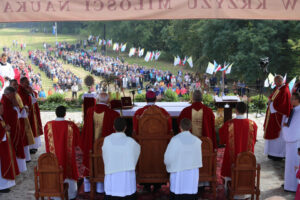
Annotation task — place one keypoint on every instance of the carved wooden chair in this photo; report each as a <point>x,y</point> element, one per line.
<point>116,104</point>
<point>96,166</point>
<point>153,136</point>
<point>208,171</point>
<point>245,175</point>
<point>48,178</point>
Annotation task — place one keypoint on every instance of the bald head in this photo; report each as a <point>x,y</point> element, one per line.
<point>278,80</point>
<point>197,96</point>
<point>102,98</point>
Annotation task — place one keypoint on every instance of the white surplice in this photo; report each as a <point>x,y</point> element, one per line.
<point>291,136</point>
<point>183,158</point>
<point>6,70</point>
<point>120,156</point>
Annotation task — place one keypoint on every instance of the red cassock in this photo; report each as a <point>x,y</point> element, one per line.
<point>208,120</point>
<point>17,75</point>
<point>9,166</point>
<point>281,99</point>
<point>10,116</point>
<point>61,138</point>
<point>87,136</point>
<point>88,102</point>
<point>140,111</point>
<point>298,188</point>
<point>239,135</point>
<point>37,113</point>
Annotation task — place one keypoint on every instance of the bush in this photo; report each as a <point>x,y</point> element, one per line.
<point>170,96</point>
<point>186,97</point>
<point>257,103</point>
<point>140,98</point>
<point>56,97</point>
<point>208,100</point>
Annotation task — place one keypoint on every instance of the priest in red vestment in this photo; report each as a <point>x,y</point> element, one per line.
<point>61,138</point>
<point>279,105</point>
<point>239,135</point>
<point>202,117</point>
<point>89,101</point>
<point>98,122</point>
<point>8,163</point>
<point>11,117</point>
<point>150,99</point>
<point>28,138</point>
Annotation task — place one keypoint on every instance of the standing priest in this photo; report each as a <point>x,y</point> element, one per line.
<point>291,135</point>
<point>202,117</point>
<point>183,158</point>
<point>279,105</point>
<point>98,123</point>
<point>239,135</point>
<point>8,163</point>
<point>120,156</point>
<point>61,138</point>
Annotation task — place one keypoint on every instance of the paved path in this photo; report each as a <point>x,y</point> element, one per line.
<point>271,171</point>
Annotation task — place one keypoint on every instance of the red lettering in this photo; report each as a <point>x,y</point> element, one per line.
<point>38,5</point>
<point>87,5</point>
<point>141,6</point>
<point>219,2</point>
<point>233,4</point>
<point>63,5</point>
<point>8,7</point>
<point>262,5</point>
<point>164,5</point>
<point>288,3</point>
<point>208,6</point>
<point>247,3</point>
<point>22,7</point>
<point>101,5</point>
<point>50,6</point>
<point>128,5</point>
<point>112,5</point>
<point>192,7</point>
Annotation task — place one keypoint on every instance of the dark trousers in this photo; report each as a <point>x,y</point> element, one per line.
<point>129,197</point>
<point>183,196</point>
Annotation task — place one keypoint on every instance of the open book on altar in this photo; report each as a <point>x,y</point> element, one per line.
<point>227,98</point>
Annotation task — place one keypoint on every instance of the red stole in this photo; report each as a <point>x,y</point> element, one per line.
<point>61,138</point>
<point>87,136</point>
<point>140,111</point>
<point>10,116</point>
<point>208,121</point>
<point>239,135</point>
<point>282,103</point>
<point>9,166</point>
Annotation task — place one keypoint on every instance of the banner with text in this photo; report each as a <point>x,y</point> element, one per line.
<point>87,10</point>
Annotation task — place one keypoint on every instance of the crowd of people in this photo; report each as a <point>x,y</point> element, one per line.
<point>63,80</point>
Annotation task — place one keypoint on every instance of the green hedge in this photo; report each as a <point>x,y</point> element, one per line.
<point>257,103</point>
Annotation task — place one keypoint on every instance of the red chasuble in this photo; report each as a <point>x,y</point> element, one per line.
<point>281,98</point>
<point>10,116</point>
<point>100,119</point>
<point>9,166</point>
<point>61,138</point>
<point>140,111</point>
<point>204,117</point>
<point>89,101</point>
<point>38,121</point>
<point>17,75</point>
<point>239,135</point>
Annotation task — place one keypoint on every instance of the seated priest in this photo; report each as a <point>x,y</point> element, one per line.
<point>61,138</point>
<point>120,156</point>
<point>150,99</point>
<point>8,163</point>
<point>183,158</point>
<point>98,123</point>
<point>239,135</point>
<point>11,116</point>
<point>28,138</point>
<point>202,117</point>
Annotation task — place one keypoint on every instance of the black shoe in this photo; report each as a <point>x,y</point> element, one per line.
<point>33,151</point>
<point>5,191</point>
<point>274,158</point>
<point>28,161</point>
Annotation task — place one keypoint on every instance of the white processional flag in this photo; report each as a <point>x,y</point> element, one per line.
<point>210,68</point>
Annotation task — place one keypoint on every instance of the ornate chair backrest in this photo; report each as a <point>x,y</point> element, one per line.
<point>244,173</point>
<point>116,104</point>
<point>50,175</point>
<point>96,161</point>
<point>208,170</point>
<point>153,136</point>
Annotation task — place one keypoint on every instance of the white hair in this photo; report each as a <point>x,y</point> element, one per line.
<point>102,97</point>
